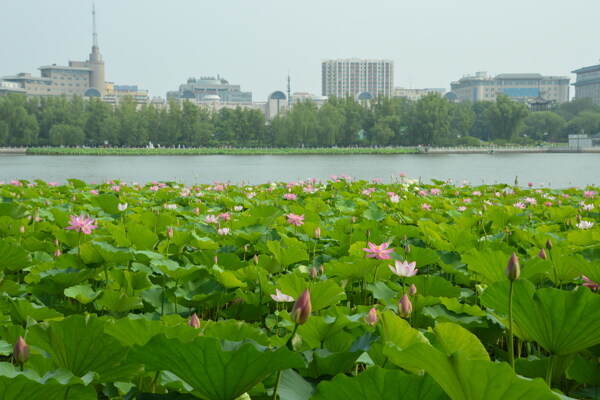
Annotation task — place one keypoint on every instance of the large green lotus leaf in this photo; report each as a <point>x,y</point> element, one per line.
<point>583,370</point>
<point>112,254</point>
<point>322,362</point>
<point>21,309</point>
<point>215,372</point>
<point>235,331</point>
<point>352,270</point>
<point>172,268</point>
<point>568,267</point>
<point>228,279</point>
<point>287,256</point>
<point>118,302</point>
<point>21,387</point>
<point>489,265</point>
<point>464,379</point>
<point>422,256</point>
<point>82,293</point>
<point>435,286</point>
<point>141,237</point>
<point>591,269</point>
<point>13,210</point>
<point>382,292</point>
<point>561,322</point>
<point>582,238</point>
<point>453,337</point>
<point>109,203</point>
<point>13,257</point>
<point>442,314</point>
<point>294,387</point>
<point>378,383</point>
<point>88,253</point>
<point>317,329</point>
<point>140,330</point>
<point>132,281</point>
<point>79,344</point>
<point>322,294</point>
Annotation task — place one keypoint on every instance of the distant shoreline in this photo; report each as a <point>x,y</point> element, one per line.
<point>113,151</point>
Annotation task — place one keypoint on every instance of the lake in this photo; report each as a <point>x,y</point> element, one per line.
<point>554,170</point>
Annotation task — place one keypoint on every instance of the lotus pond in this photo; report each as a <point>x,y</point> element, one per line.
<point>341,289</point>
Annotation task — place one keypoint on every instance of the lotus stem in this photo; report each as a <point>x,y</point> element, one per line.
<point>288,344</point>
<point>510,341</point>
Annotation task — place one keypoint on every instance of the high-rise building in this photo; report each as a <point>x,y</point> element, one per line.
<point>587,83</point>
<point>354,77</point>
<point>84,78</point>
<point>519,87</point>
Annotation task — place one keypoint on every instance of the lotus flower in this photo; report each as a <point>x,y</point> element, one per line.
<point>81,224</point>
<point>589,283</point>
<point>21,351</point>
<point>194,321</point>
<point>280,297</point>
<point>378,252</point>
<point>513,270</point>
<point>404,269</point>
<point>585,225</point>
<point>404,306</point>
<point>302,308</point>
<point>294,219</point>
<point>371,318</point>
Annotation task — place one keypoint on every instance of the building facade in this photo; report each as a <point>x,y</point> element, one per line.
<point>587,83</point>
<point>209,89</point>
<point>83,78</point>
<point>519,87</point>
<point>416,94</point>
<point>351,77</point>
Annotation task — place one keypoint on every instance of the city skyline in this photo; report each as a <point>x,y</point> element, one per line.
<point>256,45</point>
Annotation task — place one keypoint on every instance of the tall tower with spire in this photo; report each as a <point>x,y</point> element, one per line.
<point>95,62</point>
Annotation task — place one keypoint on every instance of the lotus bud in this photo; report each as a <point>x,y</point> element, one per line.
<point>21,351</point>
<point>255,259</point>
<point>216,260</point>
<point>194,321</point>
<point>407,248</point>
<point>404,306</point>
<point>542,254</point>
<point>21,229</point>
<point>368,233</point>
<point>371,318</point>
<point>321,269</point>
<point>196,211</point>
<point>413,290</point>
<point>302,308</point>
<point>353,219</point>
<point>317,233</point>
<point>404,238</point>
<point>513,270</point>
<point>483,208</point>
<point>313,273</point>
<point>170,232</point>
<point>57,253</point>
<point>578,218</point>
<point>56,242</point>
<point>549,244</point>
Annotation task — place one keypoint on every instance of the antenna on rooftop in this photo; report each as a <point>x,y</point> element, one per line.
<point>95,34</point>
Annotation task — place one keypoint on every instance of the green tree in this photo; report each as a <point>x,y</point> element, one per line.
<point>102,126</point>
<point>543,125</point>
<point>586,122</point>
<point>463,119</point>
<point>22,126</point>
<point>68,135</point>
<point>330,120</point>
<point>571,109</point>
<point>429,120</point>
<point>504,117</point>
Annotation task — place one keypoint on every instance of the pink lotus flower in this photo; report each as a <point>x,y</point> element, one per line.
<point>426,207</point>
<point>404,306</point>
<point>378,252</point>
<point>211,219</point>
<point>590,194</point>
<point>223,231</point>
<point>589,283</point>
<point>290,196</point>
<point>404,269</point>
<point>461,208</point>
<point>519,205</point>
<point>294,219</point>
<point>434,191</point>
<point>302,308</point>
<point>371,318</point>
<point>81,224</point>
<point>281,298</point>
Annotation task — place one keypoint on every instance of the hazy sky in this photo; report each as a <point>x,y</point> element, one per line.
<point>158,44</point>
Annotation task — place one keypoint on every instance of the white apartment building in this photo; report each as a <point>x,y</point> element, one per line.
<point>352,77</point>
<point>519,87</point>
<point>416,94</point>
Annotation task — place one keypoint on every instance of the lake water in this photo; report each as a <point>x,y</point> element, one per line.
<point>553,170</point>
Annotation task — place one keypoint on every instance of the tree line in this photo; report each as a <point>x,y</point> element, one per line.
<point>430,121</point>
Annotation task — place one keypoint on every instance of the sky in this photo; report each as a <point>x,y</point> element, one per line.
<point>159,44</point>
